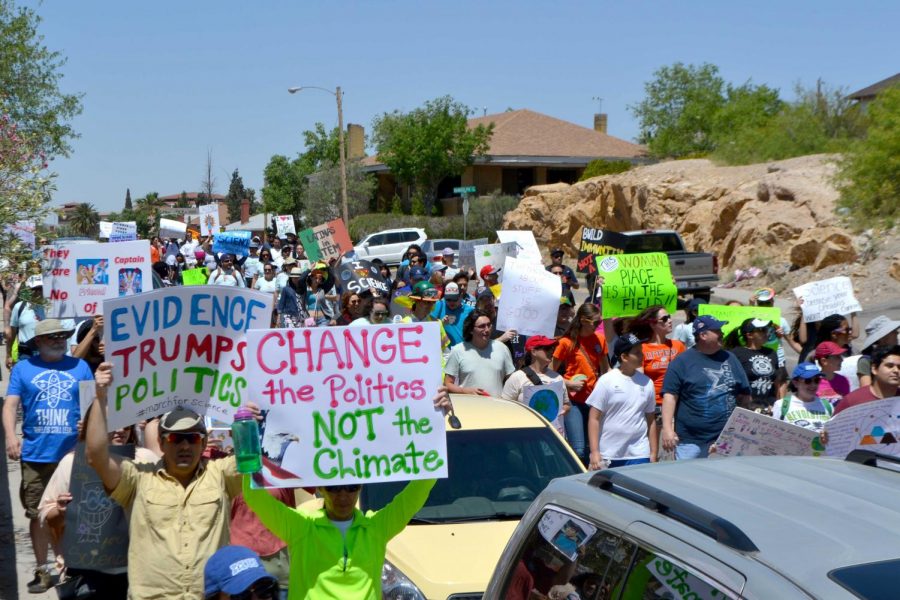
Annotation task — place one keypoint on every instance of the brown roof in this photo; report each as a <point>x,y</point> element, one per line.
<point>189,196</point>
<point>872,90</point>
<point>527,133</point>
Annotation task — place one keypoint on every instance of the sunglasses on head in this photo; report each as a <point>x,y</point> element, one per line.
<point>191,437</point>
<point>350,488</point>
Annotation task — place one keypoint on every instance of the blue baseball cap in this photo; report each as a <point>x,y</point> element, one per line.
<point>232,569</point>
<point>805,370</point>
<point>417,273</point>
<point>707,323</point>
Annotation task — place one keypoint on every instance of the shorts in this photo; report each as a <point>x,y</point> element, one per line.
<point>35,477</point>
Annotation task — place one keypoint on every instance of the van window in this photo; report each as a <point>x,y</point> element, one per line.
<point>410,236</point>
<point>654,577</point>
<point>393,238</point>
<point>376,240</point>
<point>566,556</point>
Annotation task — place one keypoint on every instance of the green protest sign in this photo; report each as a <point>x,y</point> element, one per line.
<point>633,282</point>
<point>735,315</point>
<point>198,276</point>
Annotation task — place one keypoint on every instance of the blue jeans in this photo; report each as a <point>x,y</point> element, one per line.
<point>576,429</point>
<point>689,451</point>
<point>628,461</point>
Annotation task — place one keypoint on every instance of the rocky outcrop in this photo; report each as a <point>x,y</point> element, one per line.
<point>750,215</point>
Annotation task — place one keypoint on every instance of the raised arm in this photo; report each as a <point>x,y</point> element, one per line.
<point>109,468</point>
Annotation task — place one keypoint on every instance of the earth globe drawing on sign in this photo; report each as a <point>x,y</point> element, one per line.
<point>545,402</point>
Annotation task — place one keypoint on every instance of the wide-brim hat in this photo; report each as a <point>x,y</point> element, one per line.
<point>51,326</point>
<point>182,419</point>
<point>877,328</point>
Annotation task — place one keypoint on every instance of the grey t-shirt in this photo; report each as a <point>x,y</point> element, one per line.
<point>485,369</point>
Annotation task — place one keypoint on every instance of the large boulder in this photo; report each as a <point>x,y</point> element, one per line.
<point>780,212</point>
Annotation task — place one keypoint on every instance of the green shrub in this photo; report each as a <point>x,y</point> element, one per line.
<point>599,167</point>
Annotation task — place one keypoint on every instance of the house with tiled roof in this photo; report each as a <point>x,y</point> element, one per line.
<point>527,148</point>
<point>868,93</point>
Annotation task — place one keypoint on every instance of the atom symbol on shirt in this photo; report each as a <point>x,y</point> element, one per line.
<point>54,389</point>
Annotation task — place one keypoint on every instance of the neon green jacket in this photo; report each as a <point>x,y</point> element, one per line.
<point>323,566</point>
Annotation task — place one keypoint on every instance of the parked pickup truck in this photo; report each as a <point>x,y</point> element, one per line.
<point>695,272</point>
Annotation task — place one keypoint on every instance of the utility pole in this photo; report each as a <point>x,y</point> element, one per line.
<point>339,95</point>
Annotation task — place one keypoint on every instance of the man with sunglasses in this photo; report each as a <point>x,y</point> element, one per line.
<point>46,384</point>
<point>227,273</point>
<point>180,506</point>
<point>236,573</point>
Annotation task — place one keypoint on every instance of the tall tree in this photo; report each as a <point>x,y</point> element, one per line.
<point>30,75</point>
<point>208,185</point>
<point>84,220</point>
<point>146,214</point>
<point>128,205</point>
<point>282,192</point>
<point>236,194</point>
<point>424,146</point>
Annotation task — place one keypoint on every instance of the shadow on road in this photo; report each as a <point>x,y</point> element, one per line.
<point>8,580</point>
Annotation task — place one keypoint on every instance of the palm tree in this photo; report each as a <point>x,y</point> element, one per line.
<point>84,220</point>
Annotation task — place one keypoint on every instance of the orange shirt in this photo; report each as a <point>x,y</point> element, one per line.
<point>154,254</point>
<point>591,347</point>
<point>657,358</point>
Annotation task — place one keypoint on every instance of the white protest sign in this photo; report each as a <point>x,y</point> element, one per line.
<point>748,433</point>
<point>494,255</point>
<point>209,218</point>
<point>530,299</point>
<point>565,532</point>
<point>105,229</point>
<point>546,399</point>
<point>79,277</point>
<point>284,224</point>
<point>125,231</point>
<point>827,297</point>
<point>528,246</point>
<point>871,426</point>
<point>181,346</point>
<point>169,228</point>
<point>350,404</point>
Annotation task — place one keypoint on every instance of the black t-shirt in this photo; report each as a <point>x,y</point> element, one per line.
<point>761,367</point>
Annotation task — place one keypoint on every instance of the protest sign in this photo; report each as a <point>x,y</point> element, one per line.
<point>748,433</point>
<point>735,315</point>
<point>24,230</point>
<point>494,255</point>
<point>78,277</point>
<point>96,532</point>
<point>633,282</point>
<point>834,296</point>
<point>326,241</point>
<point>546,399</point>
<point>123,231</point>
<point>567,533</point>
<point>598,242</point>
<point>530,299</point>
<point>361,275</point>
<point>181,346</point>
<point>527,245</point>
<point>105,229</point>
<point>196,276</point>
<point>284,224</point>
<point>209,219</point>
<point>357,399</point>
<point>871,426</point>
<point>169,228</point>
<point>87,391</point>
<point>232,242</point>
<point>466,255</point>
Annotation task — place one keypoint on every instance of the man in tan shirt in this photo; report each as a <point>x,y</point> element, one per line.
<point>179,506</point>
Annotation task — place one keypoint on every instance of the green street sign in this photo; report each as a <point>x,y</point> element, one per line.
<point>464,190</point>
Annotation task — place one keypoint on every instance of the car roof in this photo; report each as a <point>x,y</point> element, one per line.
<point>399,229</point>
<point>806,515</point>
<point>485,412</point>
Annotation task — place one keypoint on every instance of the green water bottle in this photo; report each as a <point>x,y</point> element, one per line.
<point>245,437</point>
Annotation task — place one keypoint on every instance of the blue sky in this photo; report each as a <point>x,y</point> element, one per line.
<point>165,81</point>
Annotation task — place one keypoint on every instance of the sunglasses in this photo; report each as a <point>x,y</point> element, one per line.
<point>817,379</point>
<point>268,271</point>
<point>191,437</point>
<point>57,336</point>
<point>351,488</point>
<point>840,330</point>
<point>263,590</point>
<point>380,313</point>
<point>664,319</point>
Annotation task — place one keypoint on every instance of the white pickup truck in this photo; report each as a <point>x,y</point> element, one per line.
<point>695,272</point>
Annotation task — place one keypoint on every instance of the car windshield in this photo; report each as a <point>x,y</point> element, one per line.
<point>871,581</point>
<point>494,474</point>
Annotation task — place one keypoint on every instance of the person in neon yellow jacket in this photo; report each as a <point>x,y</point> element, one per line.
<point>338,551</point>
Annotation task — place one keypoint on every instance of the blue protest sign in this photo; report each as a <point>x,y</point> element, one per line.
<point>232,242</point>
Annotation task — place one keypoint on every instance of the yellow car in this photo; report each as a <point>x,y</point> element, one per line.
<point>503,455</point>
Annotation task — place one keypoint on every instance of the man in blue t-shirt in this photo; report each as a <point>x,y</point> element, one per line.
<point>46,384</point>
<point>700,390</point>
<point>452,313</point>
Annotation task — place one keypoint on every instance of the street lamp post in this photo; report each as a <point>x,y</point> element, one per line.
<point>338,95</point>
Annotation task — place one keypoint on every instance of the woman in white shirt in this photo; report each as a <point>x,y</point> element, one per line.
<point>801,406</point>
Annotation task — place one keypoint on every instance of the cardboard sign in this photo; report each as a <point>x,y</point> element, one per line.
<point>466,255</point>
<point>181,346</point>
<point>209,219</point>
<point>169,228</point>
<point>598,242</point>
<point>748,433</point>
<point>361,275</point>
<point>633,282</point>
<point>79,277</point>
<point>232,242</point>
<point>284,224</point>
<point>546,399</point>
<point>96,533</point>
<point>871,426</point>
<point>529,300</point>
<point>494,255</point>
<point>326,241</point>
<point>123,231</point>
<point>527,245</point>
<point>565,532</point>
<point>350,404</point>
<point>834,296</point>
<point>196,276</point>
<point>735,315</point>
